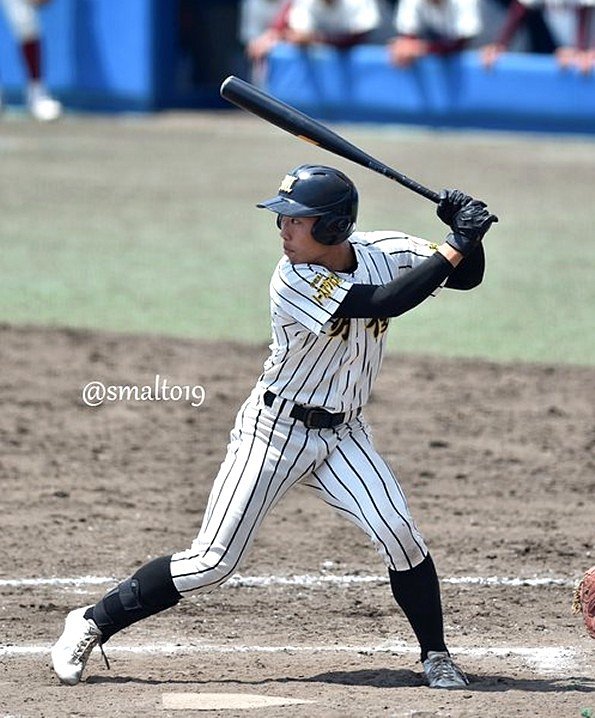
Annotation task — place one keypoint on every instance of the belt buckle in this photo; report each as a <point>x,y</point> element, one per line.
<point>310,419</point>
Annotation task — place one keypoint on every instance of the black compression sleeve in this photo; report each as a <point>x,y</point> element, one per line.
<point>469,273</point>
<point>373,301</point>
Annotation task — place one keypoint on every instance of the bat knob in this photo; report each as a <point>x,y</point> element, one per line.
<point>225,83</point>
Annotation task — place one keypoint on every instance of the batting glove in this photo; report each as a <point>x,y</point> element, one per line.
<point>468,218</point>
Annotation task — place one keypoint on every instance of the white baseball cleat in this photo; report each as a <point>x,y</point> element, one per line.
<point>442,672</point>
<point>71,651</point>
<point>42,106</point>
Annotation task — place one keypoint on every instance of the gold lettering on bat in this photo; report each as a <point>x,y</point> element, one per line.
<point>308,139</point>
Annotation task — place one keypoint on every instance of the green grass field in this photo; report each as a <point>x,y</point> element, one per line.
<point>148,224</point>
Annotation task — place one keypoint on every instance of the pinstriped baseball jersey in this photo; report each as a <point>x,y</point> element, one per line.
<point>318,361</point>
<point>314,361</point>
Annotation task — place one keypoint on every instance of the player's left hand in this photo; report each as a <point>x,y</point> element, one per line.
<point>468,218</point>
<point>451,201</point>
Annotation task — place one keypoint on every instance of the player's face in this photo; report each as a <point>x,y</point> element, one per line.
<point>298,243</point>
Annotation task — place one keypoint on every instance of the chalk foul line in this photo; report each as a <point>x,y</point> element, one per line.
<point>543,658</point>
<point>303,580</point>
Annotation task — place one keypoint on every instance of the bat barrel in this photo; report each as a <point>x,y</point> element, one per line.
<point>288,118</point>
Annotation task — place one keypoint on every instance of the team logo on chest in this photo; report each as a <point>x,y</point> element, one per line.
<point>377,327</point>
<point>325,286</point>
<point>340,328</point>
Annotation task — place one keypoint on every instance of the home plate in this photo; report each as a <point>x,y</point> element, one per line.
<point>223,701</point>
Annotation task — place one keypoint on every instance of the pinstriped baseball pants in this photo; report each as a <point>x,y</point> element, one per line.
<point>268,453</point>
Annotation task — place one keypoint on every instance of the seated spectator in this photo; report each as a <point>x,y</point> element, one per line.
<point>340,23</point>
<point>437,27</point>
<point>579,55</point>
<point>258,19</point>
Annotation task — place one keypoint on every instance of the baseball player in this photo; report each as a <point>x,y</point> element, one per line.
<point>342,23</point>
<point>331,298</point>
<point>262,24</point>
<point>23,18</point>
<point>339,23</point>
<point>578,54</point>
<point>433,27</point>
<point>256,17</point>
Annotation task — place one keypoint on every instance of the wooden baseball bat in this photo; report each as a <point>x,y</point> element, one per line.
<point>254,100</point>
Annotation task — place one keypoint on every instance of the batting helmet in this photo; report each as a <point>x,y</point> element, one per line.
<point>318,191</point>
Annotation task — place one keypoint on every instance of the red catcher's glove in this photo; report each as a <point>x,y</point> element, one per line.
<point>584,600</point>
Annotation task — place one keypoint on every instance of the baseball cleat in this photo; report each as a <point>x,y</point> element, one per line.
<point>71,651</point>
<point>442,672</point>
<point>43,107</point>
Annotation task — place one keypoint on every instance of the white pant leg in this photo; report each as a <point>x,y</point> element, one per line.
<point>265,457</point>
<point>359,484</point>
<point>22,18</point>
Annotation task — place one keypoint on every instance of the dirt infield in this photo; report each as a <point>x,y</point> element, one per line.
<point>498,461</point>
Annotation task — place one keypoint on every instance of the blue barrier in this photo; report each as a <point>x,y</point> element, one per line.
<point>112,55</point>
<point>98,54</point>
<point>522,92</point>
<point>128,55</point>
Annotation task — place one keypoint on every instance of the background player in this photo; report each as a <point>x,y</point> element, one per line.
<point>22,16</point>
<point>433,27</point>
<point>576,53</point>
<point>331,296</point>
<point>338,23</point>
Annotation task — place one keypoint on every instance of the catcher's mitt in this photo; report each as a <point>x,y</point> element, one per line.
<point>584,600</point>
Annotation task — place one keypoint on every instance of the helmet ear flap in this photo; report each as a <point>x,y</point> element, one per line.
<point>328,229</point>
<point>331,229</point>
<point>343,224</point>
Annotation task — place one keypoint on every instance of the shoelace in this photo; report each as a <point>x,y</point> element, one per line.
<point>84,648</point>
<point>107,665</point>
<point>443,667</point>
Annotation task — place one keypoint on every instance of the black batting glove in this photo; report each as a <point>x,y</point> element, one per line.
<point>468,218</point>
<point>451,201</point>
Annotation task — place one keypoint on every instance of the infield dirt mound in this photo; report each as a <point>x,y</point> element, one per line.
<point>498,462</point>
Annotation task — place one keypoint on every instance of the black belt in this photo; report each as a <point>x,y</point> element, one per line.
<point>311,418</point>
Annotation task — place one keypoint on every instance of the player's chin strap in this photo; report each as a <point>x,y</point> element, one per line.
<point>149,591</point>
